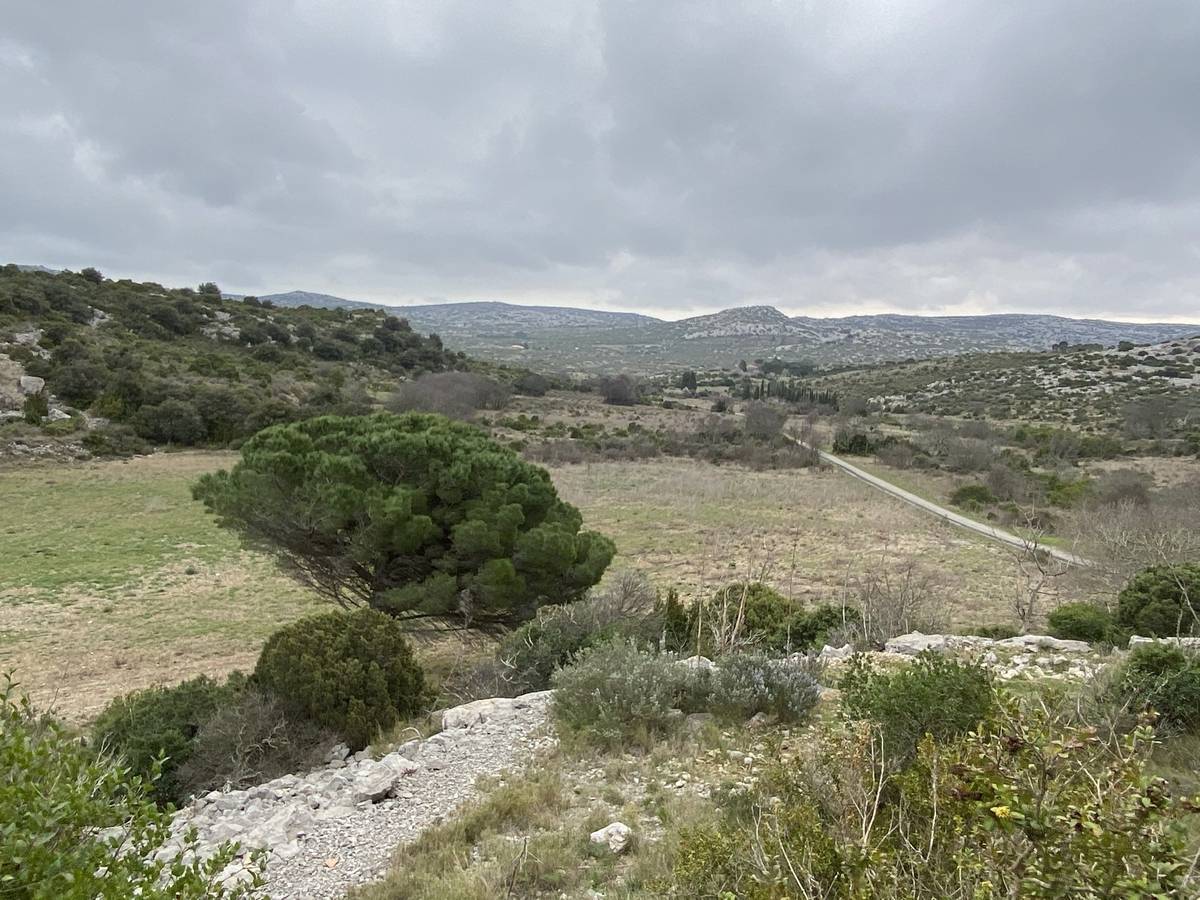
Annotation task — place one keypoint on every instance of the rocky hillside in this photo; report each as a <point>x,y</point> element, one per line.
<point>581,340</point>
<point>142,362</point>
<point>1148,391</point>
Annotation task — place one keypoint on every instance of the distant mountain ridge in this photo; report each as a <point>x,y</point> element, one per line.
<point>589,340</point>
<point>482,313</point>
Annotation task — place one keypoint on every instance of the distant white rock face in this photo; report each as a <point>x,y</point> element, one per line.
<point>615,836</point>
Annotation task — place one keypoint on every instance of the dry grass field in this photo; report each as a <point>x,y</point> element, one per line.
<point>696,526</point>
<point>112,578</point>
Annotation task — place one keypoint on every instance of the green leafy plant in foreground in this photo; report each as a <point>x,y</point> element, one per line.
<point>77,826</point>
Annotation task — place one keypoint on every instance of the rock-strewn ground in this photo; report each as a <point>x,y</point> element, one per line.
<point>337,827</point>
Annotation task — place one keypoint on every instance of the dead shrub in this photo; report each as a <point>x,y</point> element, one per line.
<point>891,602</point>
<point>251,741</point>
<point>456,395</point>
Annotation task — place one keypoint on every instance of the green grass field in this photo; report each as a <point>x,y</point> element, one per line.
<point>114,578</point>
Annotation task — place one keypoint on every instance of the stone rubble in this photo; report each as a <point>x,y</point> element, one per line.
<point>337,827</point>
<point>1023,656</point>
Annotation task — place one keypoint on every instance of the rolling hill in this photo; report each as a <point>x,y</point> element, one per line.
<point>584,340</point>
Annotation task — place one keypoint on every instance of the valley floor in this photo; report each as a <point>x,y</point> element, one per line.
<point>113,578</point>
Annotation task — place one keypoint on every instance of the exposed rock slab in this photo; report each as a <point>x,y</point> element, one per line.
<point>337,827</point>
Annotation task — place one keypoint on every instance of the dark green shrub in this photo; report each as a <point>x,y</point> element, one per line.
<point>1166,679</point>
<point>853,443</point>
<point>170,422</point>
<point>36,408</point>
<point>1161,601</point>
<point>427,519</point>
<point>115,440</point>
<point>78,826</point>
<point>162,723</point>
<point>933,695</point>
<point>973,496</point>
<point>353,673</point>
<point>674,622</point>
<point>1081,622</point>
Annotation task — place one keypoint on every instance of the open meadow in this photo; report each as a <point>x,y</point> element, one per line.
<point>113,578</point>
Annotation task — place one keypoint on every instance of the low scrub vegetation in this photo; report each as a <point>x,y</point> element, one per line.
<point>1024,804</point>
<point>627,608</point>
<point>617,694</point>
<point>935,696</point>
<point>188,367</point>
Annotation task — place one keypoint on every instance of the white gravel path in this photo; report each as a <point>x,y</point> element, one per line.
<point>352,850</point>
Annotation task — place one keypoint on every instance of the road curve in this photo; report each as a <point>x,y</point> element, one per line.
<point>996,534</point>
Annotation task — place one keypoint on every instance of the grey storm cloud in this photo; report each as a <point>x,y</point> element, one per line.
<point>675,157</point>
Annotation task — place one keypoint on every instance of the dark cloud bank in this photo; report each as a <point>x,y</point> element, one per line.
<point>671,157</point>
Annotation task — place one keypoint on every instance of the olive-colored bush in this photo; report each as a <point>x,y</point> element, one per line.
<point>625,608</point>
<point>744,684</point>
<point>353,673</point>
<point>752,615</point>
<point>973,496</point>
<point>1029,804</point>
<point>616,694</point>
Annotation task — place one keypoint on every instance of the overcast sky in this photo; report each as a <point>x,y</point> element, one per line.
<point>669,157</point>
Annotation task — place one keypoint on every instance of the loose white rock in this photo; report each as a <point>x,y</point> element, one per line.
<point>615,835</point>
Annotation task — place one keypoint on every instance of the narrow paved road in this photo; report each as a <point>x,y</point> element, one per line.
<point>996,534</point>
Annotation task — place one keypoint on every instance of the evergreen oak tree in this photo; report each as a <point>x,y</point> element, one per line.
<point>420,517</point>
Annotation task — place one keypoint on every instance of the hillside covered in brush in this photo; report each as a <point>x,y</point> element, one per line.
<point>138,361</point>
<point>1148,391</point>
